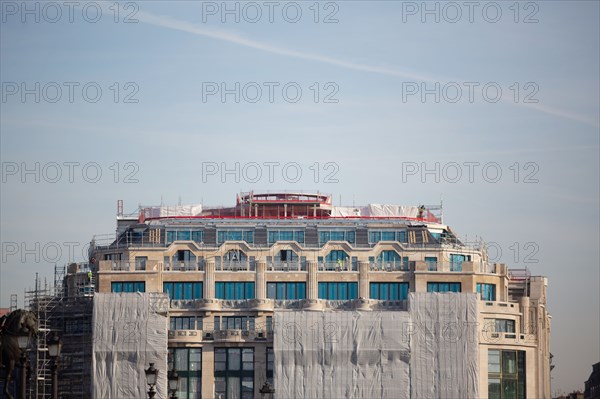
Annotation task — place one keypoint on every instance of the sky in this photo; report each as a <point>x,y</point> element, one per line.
<point>490,107</point>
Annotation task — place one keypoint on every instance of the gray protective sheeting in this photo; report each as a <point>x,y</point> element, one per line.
<point>430,351</point>
<point>130,331</point>
<point>444,345</point>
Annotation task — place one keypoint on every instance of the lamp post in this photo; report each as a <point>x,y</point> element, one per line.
<point>267,388</point>
<point>54,346</point>
<point>23,342</point>
<point>151,375</point>
<point>173,379</point>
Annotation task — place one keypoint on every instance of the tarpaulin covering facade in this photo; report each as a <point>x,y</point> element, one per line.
<point>130,332</point>
<point>172,211</point>
<point>376,210</point>
<point>426,352</point>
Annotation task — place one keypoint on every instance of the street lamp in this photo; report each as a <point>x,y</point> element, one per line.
<point>54,346</point>
<point>151,375</point>
<point>267,388</point>
<point>23,342</point>
<point>173,379</point>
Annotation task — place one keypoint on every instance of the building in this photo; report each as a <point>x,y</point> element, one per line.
<point>236,276</point>
<point>592,385</point>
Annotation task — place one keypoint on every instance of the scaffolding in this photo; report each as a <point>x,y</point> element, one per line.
<point>42,302</point>
<point>64,308</point>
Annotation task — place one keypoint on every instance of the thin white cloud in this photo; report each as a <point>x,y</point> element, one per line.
<point>172,23</point>
<point>176,24</point>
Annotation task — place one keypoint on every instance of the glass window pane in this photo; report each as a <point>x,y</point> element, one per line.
<point>322,290</point>
<point>404,291</point>
<point>247,388</point>
<point>493,361</point>
<point>374,291</point>
<point>220,359</point>
<point>384,291</point>
<point>509,362</point>
<point>301,290</point>
<point>352,290</point>
<point>181,359</point>
<point>494,388</point>
<point>233,387</point>
<point>183,388</point>
<point>194,386</point>
<point>234,356</point>
<point>509,388</point>
<point>394,291</point>
<point>388,236</point>
<point>332,291</point>
<point>280,291</point>
<point>220,385</point>
<point>271,290</point>
<point>342,291</point>
<point>249,291</point>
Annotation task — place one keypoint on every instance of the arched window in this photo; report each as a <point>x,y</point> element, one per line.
<point>335,256</point>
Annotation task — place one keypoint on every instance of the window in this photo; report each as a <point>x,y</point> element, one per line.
<point>456,261</point>
<point>506,374</point>
<point>393,257</point>
<point>487,291</point>
<point>185,323</point>
<point>246,323</point>
<point>184,235</point>
<point>235,255</point>
<point>140,262</point>
<point>234,373</point>
<point>389,291</point>
<point>500,325</point>
<point>235,235</point>
<point>386,235</point>
<point>335,256</point>
<point>338,291</point>
<point>336,235</point>
<point>184,259</point>
<point>128,286</point>
<point>431,262</point>
<point>188,363</point>
<point>234,290</point>
<point>287,255</point>
<point>283,291</point>
<point>286,235</point>
<point>185,290</point>
<point>270,365</point>
<point>443,287</point>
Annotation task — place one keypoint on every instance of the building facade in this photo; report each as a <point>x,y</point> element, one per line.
<point>592,385</point>
<point>228,271</point>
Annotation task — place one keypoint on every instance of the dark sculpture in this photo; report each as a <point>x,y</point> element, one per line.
<point>19,322</point>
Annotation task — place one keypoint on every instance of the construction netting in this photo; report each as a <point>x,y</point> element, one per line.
<point>431,351</point>
<point>130,332</point>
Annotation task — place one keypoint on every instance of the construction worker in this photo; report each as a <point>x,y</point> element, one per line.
<point>90,275</point>
<point>421,211</point>
<point>339,261</point>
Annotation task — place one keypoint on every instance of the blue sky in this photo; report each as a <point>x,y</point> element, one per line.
<point>374,130</point>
